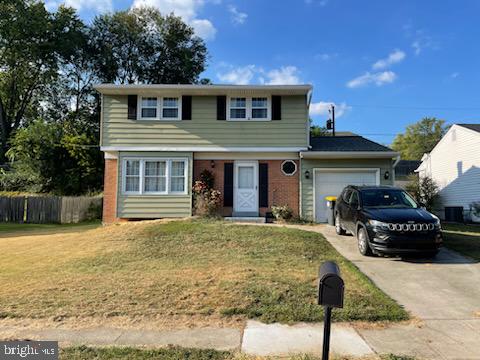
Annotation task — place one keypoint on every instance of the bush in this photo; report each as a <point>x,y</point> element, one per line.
<point>424,190</point>
<point>207,200</point>
<point>283,212</point>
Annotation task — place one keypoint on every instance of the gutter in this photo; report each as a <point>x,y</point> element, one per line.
<point>350,155</point>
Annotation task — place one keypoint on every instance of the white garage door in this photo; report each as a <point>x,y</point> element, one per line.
<point>332,182</point>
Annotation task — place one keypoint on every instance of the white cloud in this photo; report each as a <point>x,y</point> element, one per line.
<point>286,75</point>
<point>237,17</point>
<point>243,75</point>
<point>204,28</point>
<point>322,107</point>
<point>239,76</point>
<point>99,6</point>
<point>394,57</point>
<point>379,79</point>
<point>186,9</point>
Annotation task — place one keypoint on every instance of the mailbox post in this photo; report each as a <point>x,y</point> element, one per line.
<point>330,295</point>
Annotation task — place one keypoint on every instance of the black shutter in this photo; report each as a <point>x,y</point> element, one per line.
<point>276,107</point>
<point>132,107</point>
<point>228,184</point>
<point>221,108</point>
<point>263,185</point>
<point>186,107</point>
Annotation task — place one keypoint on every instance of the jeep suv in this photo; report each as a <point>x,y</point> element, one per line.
<point>387,220</point>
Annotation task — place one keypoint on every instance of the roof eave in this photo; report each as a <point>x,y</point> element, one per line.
<point>349,154</point>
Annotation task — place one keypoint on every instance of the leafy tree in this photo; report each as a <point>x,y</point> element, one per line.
<point>54,157</point>
<point>141,45</point>
<point>419,138</point>
<point>32,44</point>
<point>424,190</point>
<point>316,131</point>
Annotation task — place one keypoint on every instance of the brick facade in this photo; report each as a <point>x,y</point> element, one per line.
<point>282,189</point>
<point>110,191</point>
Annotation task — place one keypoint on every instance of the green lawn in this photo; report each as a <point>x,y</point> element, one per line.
<point>201,270</point>
<point>463,238</point>
<point>175,353</point>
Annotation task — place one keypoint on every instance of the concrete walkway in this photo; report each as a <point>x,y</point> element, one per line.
<point>444,293</point>
<point>257,339</point>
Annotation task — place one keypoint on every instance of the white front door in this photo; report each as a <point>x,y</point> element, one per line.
<point>245,186</point>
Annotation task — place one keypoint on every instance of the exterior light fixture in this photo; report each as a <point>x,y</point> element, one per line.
<point>212,164</point>
<point>386,175</point>
<point>307,174</point>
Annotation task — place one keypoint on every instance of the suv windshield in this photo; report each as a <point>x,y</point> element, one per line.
<point>387,198</point>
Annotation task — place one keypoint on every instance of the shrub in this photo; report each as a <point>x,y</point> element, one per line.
<point>207,200</point>
<point>283,212</point>
<point>475,206</point>
<point>424,190</point>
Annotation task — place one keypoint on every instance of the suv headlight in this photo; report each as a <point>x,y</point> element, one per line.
<point>437,222</point>
<point>378,224</point>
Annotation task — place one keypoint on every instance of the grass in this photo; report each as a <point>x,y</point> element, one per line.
<point>8,228</point>
<point>463,238</point>
<point>192,269</point>
<point>175,353</point>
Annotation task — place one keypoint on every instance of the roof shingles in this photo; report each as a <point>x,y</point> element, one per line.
<point>345,143</point>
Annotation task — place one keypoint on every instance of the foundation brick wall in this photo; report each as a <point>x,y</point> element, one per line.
<point>110,191</point>
<point>282,189</point>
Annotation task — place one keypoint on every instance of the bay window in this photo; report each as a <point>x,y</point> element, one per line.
<point>159,108</point>
<point>249,108</point>
<point>155,176</point>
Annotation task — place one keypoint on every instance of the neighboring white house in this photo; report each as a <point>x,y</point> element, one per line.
<point>454,164</point>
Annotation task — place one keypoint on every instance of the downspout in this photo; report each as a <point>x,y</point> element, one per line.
<point>395,163</point>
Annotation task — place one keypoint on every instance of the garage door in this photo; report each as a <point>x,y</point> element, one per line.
<point>332,182</point>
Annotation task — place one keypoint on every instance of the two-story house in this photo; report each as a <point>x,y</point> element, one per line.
<point>157,139</point>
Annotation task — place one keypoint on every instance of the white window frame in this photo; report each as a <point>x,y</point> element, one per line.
<point>248,112</point>
<point>142,191</point>
<point>124,176</point>
<point>159,108</point>
<point>140,101</point>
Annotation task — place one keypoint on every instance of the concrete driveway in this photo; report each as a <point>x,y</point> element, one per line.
<point>444,293</point>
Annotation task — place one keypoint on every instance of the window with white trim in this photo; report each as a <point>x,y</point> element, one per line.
<point>238,108</point>
<point>170,108</point>
<point>149,108</point>
<point>155,176</point>
<point>132,176</point>
<point>249,108</point>
<point>164,108</point>
<point>259,108</point>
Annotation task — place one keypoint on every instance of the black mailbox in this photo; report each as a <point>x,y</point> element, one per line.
<point>330,285</point>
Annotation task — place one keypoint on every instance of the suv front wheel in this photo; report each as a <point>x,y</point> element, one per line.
<point>338,226</point>
<point>363,245</point>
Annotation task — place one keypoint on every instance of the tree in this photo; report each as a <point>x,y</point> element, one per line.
<point>424,190</point>
<point>54,157</point>
<point>419,138</point>
<point>32,44</point>
<point>316,131</point>
<point>141,45</point>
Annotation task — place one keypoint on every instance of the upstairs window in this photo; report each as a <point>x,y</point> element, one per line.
<point>165,108</point>
<point>149,108</point>
<point>249,108</point>
<point>238,108</point>
<point>259,108</point>
<point>170,108</point>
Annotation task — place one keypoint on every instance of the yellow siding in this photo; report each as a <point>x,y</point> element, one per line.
<point>204,129</point>
<point>154,206</point>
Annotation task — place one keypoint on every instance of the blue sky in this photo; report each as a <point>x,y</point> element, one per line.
<point>385,64</point>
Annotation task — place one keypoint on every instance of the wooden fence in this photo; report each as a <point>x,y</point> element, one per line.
<point>49,209</point>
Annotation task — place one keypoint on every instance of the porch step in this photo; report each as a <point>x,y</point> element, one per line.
<point>246,219</point>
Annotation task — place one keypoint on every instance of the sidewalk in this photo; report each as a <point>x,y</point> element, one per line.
<point>256,339</point>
